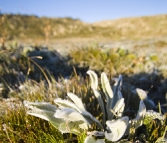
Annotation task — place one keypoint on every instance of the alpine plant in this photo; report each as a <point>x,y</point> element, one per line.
<point>72,117</point>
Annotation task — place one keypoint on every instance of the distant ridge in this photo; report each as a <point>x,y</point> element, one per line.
<point>33,27</point>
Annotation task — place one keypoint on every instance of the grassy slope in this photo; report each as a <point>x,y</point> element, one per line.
<point>28,27</point>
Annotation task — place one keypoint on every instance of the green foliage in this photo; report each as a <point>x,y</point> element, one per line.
<point>81,137</point>
<point>94,58</point>
<point>18,127</point>
<point>155,126</point>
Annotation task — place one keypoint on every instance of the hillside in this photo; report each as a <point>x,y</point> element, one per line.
<point>32,27</point>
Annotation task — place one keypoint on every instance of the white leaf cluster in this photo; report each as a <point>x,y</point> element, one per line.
<point>72,117</point>
<point>67,116</point>
<point>113,106</point>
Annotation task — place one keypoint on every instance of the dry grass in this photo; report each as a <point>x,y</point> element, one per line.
<point>28,27</point>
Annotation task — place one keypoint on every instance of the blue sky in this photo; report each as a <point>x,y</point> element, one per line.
<point>85,10</point>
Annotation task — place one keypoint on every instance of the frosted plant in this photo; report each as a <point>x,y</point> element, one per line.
<point>72,117</point>
<point>143,96</point>
<point>113,106</point>
<point>67,117</point>
<point>151,115</point>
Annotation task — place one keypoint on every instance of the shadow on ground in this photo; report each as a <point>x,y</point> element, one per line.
<point>35,63</point>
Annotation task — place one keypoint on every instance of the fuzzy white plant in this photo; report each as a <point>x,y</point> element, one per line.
<point>72,117</point>
<point>113,107</point>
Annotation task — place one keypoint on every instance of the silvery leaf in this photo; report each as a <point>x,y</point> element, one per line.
<point>41,109</point>
<point>65,103</point>
<point>46,115</point>
<point>76,100</point>
<point>119,94</point>
<point>121,110</point>
<point>108,93</point>
<point>141,93</point>
<point>91,119</point>
<point>116,90</point>
<point>70,127</point>
<point>90,139</point>
<point>118,83</point>
<point>69,114</point>
<point>138,121</point>
<point>119,107</point>
<point>43,114</point>
<point>60,124</point>
<point>117,128</point>
<point>40,105</point>
<point>94,86</point>
<point>106,86</point>
<point>94,79</point>
<point>143,96</point>
<point>101,103</point>
<point>83,126</point>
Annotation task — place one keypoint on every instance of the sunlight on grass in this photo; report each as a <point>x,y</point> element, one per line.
<point>21,79</point>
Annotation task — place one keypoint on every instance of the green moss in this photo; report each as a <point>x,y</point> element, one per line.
<point>155,130</point>
<point>154,57</point>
